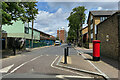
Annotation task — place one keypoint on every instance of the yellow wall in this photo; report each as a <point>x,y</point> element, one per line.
<point>97,20</point>
<point>85,30</point>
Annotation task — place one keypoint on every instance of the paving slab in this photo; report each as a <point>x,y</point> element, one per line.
<point>106,65</point>
<point>79,62</point>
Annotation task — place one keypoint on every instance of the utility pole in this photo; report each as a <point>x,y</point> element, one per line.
<point>32,32</point>
<point>32,26</point>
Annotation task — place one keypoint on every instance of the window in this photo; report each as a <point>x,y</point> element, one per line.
<point>91,35</point>
<point>102,18</point>
<point>26,30</point>
<point>91,21</point>
<point>26,24</point>
<point>95,29</point>
<point>91,26</point>
<point>91,18</point>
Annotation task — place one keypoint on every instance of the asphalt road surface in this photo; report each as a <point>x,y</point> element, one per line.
<point>38,64</point>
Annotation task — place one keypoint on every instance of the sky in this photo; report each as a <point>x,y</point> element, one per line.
<point>53,15</point>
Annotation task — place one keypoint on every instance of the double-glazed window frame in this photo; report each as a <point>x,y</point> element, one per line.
<point>102,18</point>
<point>26,30</point>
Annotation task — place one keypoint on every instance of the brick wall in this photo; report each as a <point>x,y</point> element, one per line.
<point>62,35</point>
<point>108,35</point>
<point>57,33</point>
<point>119,33</point>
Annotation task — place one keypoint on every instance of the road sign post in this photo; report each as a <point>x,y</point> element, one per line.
<point>65,56</point>
<point>67,51</point>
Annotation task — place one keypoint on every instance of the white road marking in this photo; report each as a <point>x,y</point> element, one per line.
<point>61,77</point>
<point>21,66</point>
<point>47,55</point>
<point>6,69</point>
<point>72,76</point>
<point>32,69</point>
<point>76,68</point>
<point>96,67</point>
<point>62,68</point>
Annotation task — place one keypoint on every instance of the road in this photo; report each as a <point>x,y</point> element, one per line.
<point>38,64</point>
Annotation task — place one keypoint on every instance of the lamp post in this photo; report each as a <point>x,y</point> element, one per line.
<point>32,31</point>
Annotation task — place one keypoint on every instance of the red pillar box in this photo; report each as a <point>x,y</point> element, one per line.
<point>96,50</point>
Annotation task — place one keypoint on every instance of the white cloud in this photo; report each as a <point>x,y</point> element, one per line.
<point>50,22</point>
<point>68,6</point>
<point>99,8</point>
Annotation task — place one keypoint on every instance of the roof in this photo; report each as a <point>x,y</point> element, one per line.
<point>45,33</point>
<point>103,12</point>
<point>117,12</point>
<point>40,31</point>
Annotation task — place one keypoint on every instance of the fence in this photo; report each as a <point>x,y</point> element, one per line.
<point>39,43</point>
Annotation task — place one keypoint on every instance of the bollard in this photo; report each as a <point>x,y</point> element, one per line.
<point>65,56</point>
<point>67,51</point>
<point>96,50</point>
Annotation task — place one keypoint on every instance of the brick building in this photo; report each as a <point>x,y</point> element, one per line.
<point>62,34</point>
<point>109,35</point>
<point>84,35</point>
<point>94,18</point>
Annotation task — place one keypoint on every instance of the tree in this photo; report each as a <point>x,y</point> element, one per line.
<point>76,20</point>
<point>13,11</point>
<point>16,43</point>
<point>31,12</point>
<point>57,38</point>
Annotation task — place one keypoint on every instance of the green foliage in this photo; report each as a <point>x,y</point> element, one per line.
<point>13,11</point>
<point>61,41</point>
<point>57,38</point>
<point>86,45</point>
<point>31,11</point>
<point>76,20</point>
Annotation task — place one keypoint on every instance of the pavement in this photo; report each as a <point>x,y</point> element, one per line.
<point>82,62</point>
<point>9,53</point>
<point>40,64</point>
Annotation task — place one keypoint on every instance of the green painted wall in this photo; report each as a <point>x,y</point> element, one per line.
<point>36,34</point>
<point>16,27</point>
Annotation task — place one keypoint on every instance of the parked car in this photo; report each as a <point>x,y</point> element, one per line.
<point>57,42</point>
